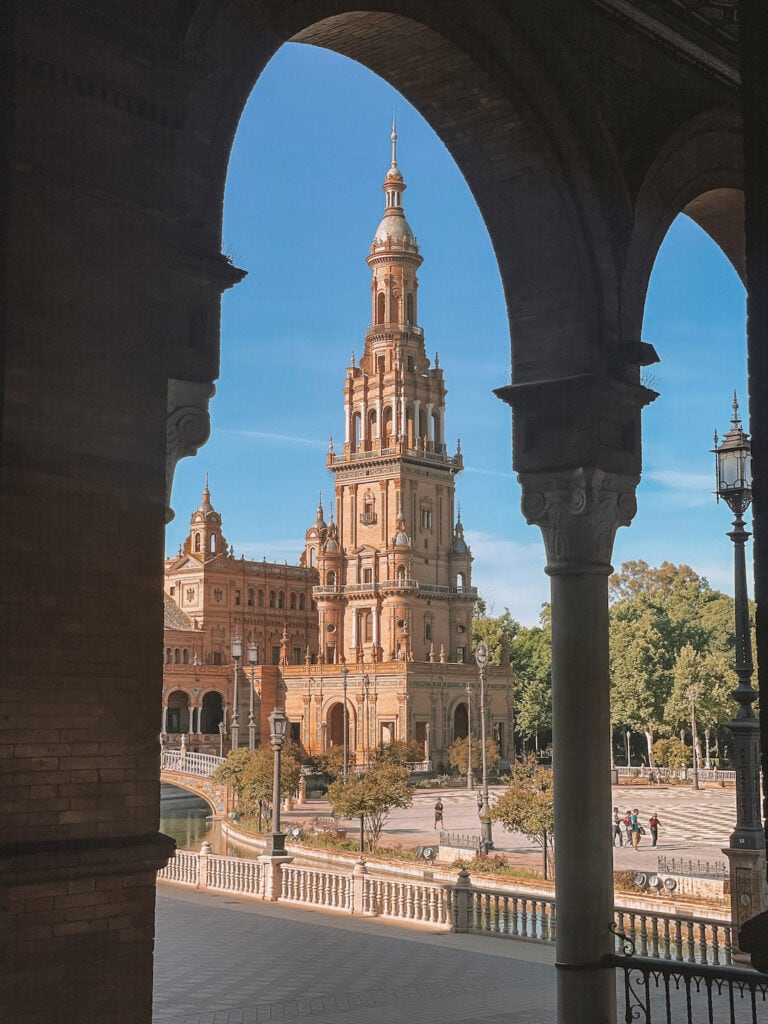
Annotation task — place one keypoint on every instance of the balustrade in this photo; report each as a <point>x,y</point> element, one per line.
<point>183,868</point>
<point>189,762</point>
<point>407,900</point>
<point>320,888</point>
<point>235,874</point>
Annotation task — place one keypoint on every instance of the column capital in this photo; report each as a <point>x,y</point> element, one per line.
<point>578,512</point>
<point>188,426</point>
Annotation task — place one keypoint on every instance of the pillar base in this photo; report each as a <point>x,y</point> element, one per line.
<point>749,898</point>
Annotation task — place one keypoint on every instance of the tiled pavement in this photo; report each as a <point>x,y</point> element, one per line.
<point>224,960</point>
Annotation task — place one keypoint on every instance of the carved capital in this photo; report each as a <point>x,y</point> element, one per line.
<point>578,512</point>
<point>188,426</point>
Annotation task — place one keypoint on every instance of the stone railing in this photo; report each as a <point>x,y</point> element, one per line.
<point>189,762</point>
<point>408,901</point>
<point>316,887</point>
<point>493,909</point>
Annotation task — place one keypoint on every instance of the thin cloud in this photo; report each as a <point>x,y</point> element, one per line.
<point>489,472</point>
<point>261,435</point>
<point>680,480</point>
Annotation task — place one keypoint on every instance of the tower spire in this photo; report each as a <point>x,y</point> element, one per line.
<point>393,137</point>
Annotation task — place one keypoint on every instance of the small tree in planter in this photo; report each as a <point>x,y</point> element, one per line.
<point>528,804</point>
<point>371,797</point>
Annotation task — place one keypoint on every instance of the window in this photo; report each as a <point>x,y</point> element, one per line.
<point>295,731</point>
<point>330,579</point>
<point>297,656</point>
<point>272,599</point>
<point>185,657</point>
<point>380,307</point>
<point>251,597</point>
<point>197,542</point>
<point>275,655</point>
<point>409,312</point>
<point>260,598</point>
<point>213,542</point>
<point>303,600</point>
<point>281,599</point>
<point>177,657</point>
<point>173,720</point>
<point>461,655</point>
<point>293,601</point>
<point>367,575</point>
<point>168,656</point>
<point>426,519</point>
<point>411,364</point>
<point>427,630</point>
<point>172,591</point>
<point>237,596</point>
<point>381,364</point>
<point>216,658</point>
<point>330,655</point>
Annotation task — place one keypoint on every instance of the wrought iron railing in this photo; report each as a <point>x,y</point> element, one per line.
<point>670,992</point>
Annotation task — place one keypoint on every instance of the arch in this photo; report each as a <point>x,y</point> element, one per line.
<point>697,171</point>
<point>177,713</point>
<point>168,656</point>
<point>281,599</point>
<point>272,599</point>
<point>356,429</point>
<point>212,712</point>
<point>185,656</point>
<point>260,598</point>
<point>302,602</point>
<point>251,597</point>
<point>335,726</point>
<point>380,308</point>
<point>460,722</point>
<point>213,543</point>
<point>330,579</point>
<point>197,542</point>
<point>460,581</point>
<point>311,558</point>
<point>387,426</point>
<point>176,656</point>
<point>292,601</point>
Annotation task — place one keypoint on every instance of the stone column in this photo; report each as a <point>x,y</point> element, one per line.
<point>578,512</point>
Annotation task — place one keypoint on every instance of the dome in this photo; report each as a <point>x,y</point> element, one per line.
<point>331,547</point>
<point>394,227</point>
<point>460,547</point>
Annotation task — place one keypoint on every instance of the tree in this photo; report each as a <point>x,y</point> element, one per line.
<point>528,804</point>
<point>704,681</point>
<point>372,796</point>
<point>458,755</point>
<point>250,774</point>
<point>498,633</point>
<point>400,752</point>
<point>672,753</point>
<point>531,655</point>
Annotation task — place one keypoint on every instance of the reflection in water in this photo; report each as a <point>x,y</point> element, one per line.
<point>184,816</point>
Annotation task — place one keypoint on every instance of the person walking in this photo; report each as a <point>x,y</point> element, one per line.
<point>654,823</point>
<point>438,813</point>
<point>617,827</point>
<point>635,827</point>
<point>627,823</point>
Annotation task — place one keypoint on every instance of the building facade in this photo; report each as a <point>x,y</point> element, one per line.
<point>377,618</point>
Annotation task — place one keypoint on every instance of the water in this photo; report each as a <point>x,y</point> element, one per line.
<point>185,817</point>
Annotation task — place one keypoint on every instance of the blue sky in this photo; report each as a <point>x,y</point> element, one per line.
<point>303,200</point>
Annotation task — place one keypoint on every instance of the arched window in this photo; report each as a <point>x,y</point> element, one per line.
<point>185,656</point>
<point>381,304</point>
<point>213,542</point>
<point>409,309</point>
<point>331,579</point>
<point>356,433</point>
<point>272,599</point>
<point>387,422</point>
<point>177,657</point>
<point>367,625</point>
<point>197,542</point>
<point>168,656</point>
<point>281,599</point>
<point>260,598</point>
<point>311,558</point>
<point>401,573</point>
<point>292,602</point>
<point>251,597</point>
<point>212,713</point>
<point>302,602</point>
<point>459,581</point>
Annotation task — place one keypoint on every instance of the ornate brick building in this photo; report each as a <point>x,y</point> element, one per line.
<point>378,616</point>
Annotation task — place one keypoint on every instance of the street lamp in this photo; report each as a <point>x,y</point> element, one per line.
<point>344,689</point>
<point>626,737</point>
<point>486,834</point>
<point>733,462</point>
<point>237,653</point>
<point>470,775</point>
<point>366,720</point>
<point>221,739</point>
<point>253,660</point>
<point>693,694</point>
<point>278,722</point>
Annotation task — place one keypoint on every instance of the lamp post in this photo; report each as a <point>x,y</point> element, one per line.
<point>486,833</point>
<point>221,739</point>
<point>693,694</point>
<point>366,720</point>
<point>626,737</point>
<point>746,846</point>
<point>253,660</point>
<point>237,653</point>
<point>470,775</point>
<point>344,691</point>
<point>278,722</point>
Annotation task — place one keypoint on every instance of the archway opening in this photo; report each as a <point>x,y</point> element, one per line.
<point>336,726</point>
<point>460,722</point>
<point>212,712</point>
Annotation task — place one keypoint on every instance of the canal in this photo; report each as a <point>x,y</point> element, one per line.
<point>184,817</point>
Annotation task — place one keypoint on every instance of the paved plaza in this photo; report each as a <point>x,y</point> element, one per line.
<point>228,960</point>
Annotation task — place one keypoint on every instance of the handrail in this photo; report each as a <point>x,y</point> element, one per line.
<point>190,762</point>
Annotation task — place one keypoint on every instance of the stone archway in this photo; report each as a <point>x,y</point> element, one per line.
<point>460,722</point>
<point>335,726</point>
<point>211,712</point>
<point>178,713</point>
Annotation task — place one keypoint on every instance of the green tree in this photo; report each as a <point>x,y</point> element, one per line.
<point>531,656</point>
<point>702,684</point>
<point>250,774</point>
<point>527,806</point>
<point>670,752</point>
<point>400,752</point>
<point>458,755</point>
<point>497,632</point>
<point>372,796</point>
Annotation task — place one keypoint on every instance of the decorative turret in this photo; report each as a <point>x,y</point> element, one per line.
<point>205,538</point>
<point>314,537</point>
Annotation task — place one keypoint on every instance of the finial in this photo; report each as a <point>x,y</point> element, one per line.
<point>458,513</point>
<point>205,488</point>
<point>458,446</point>
<point>393,136</point>
<point>736,420</point>
<point>437,361</point>
<point>716,438</point>
<point>330,445</point>
<point>353,358</point>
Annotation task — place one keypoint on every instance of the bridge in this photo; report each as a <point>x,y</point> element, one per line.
<point>191,771</point>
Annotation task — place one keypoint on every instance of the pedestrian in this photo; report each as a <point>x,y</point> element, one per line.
<point>627,823</point>
<point>479,802</point>
<point>651,777</point>
<point>617,827</point>
<point>635,826</point>
<point>439,813</point>
<point>654,823</point>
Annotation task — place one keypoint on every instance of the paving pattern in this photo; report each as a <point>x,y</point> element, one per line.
<point>223,960</point>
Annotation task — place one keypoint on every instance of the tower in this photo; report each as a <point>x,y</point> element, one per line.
<point>205,538</point>
<point>395,572</point>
